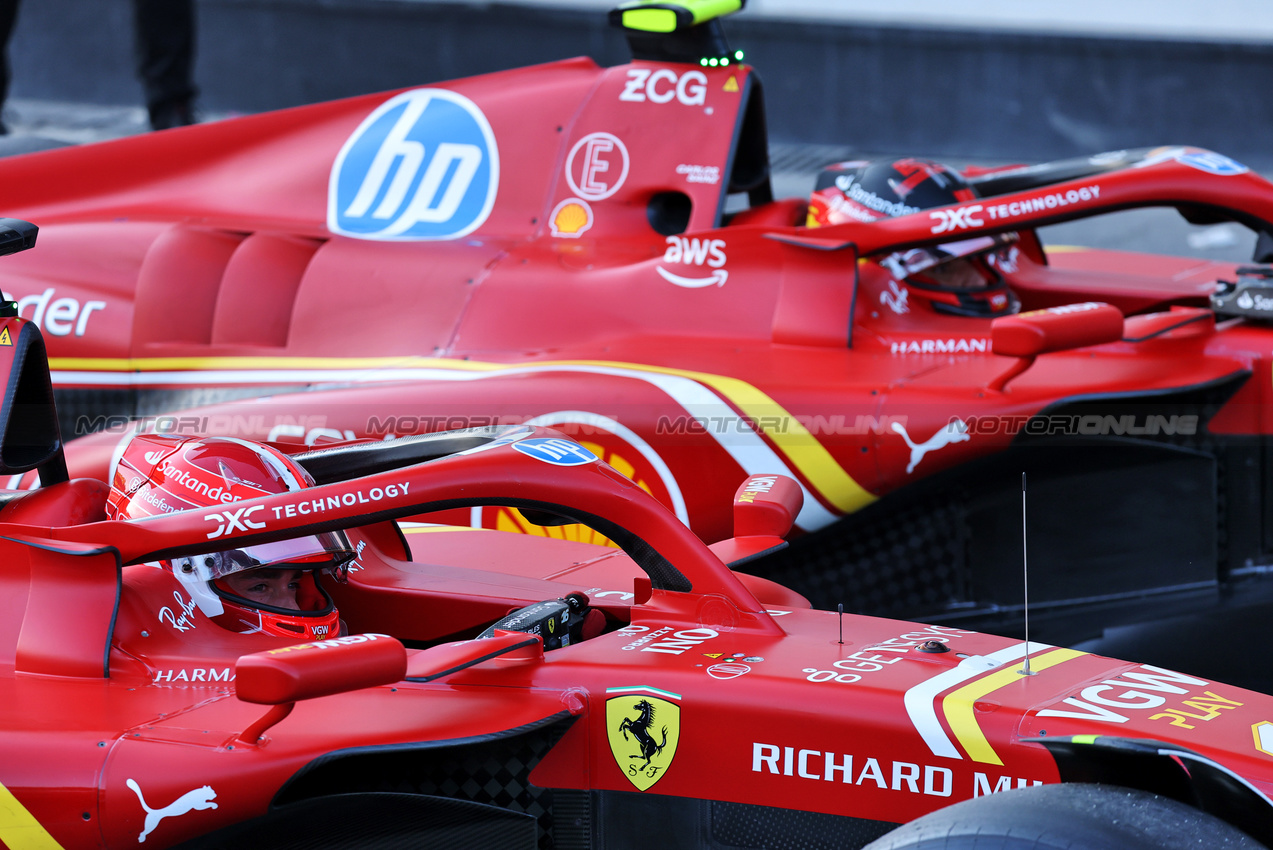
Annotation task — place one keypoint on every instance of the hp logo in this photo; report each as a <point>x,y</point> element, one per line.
<point>424,165</point>
<point>1215,163</point>
<point>555,451</point>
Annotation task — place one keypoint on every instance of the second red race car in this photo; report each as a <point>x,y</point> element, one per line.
<point>232,646</point>
<point>597,250</point>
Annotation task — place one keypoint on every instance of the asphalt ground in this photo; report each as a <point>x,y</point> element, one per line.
<point>37,124</point>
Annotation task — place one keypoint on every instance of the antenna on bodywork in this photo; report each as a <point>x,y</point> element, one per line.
<point>1025,584</point>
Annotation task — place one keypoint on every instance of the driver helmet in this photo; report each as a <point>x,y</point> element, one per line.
<point>270,588</point>
<point>960,278</point>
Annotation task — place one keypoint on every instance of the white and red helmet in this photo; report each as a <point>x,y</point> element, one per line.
<point>156,474</point>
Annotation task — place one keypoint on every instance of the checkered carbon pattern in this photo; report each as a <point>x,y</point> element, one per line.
<point>497,774</point>
<point>735,825</point>
<point>886,562</point>
<point>493,771</point>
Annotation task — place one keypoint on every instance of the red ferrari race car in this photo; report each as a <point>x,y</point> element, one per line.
<point>598,250</point>
<point>472,688</point>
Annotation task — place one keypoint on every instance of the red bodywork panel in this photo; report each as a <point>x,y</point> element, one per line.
<point>549,248</point>
<point>458,258</point>
<point>117,695</point>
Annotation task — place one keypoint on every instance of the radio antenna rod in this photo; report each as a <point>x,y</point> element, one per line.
<point>1025,584</point>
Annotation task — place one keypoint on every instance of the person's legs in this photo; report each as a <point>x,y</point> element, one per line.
<point>164,47</point>
<point>8,16</point>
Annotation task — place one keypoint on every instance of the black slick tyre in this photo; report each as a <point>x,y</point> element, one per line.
<point>1067,817</point>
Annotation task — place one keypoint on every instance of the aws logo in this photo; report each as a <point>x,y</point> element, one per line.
<point>424,165</point>
<point>643,731</point>
<point>695,252</point>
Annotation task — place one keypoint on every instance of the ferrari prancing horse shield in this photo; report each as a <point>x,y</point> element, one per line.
<point>643,732</point>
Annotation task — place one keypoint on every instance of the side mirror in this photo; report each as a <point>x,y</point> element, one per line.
<point>29,434</point>
<point>1027,335</point>
<point>319,669</point>
<point>16,235</point>
<point>282,677</point>
<point>765,510</point>
<point>766,506</point>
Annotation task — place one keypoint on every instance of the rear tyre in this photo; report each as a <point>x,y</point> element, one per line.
<point>1069,816</point>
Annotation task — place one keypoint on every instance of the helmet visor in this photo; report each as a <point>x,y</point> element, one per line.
<point>903,264</point>
<point>331,550</point>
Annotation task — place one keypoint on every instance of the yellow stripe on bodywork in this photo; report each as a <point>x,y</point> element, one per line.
<point>961,715</point>
<point>18,829</point>
<point>787,433</point>
<point>195,364</point>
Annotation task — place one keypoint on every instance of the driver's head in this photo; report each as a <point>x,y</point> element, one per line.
<point>270,587</point>
<point>276,587</point>
<point>960,278</point>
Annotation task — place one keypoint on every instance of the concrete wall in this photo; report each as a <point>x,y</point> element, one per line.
<point>947,92</point>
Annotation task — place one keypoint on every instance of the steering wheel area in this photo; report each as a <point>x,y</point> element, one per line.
<point>560,622</point>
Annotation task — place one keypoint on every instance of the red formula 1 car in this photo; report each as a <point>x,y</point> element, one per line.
<point>597,250</point>
<point>701,707</point>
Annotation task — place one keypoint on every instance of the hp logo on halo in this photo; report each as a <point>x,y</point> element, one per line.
<point>555,451</point>
<point>424,165</point>
<point>1212,162</point>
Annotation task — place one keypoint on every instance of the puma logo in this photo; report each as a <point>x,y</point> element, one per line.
<point>196,800</point>
<point>956,431</point>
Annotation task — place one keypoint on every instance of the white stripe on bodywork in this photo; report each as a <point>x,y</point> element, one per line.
<point>583,417</point>
<point>730,431</point>
<point>920,701</point>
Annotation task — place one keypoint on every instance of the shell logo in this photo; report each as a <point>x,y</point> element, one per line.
<point>570,218</point>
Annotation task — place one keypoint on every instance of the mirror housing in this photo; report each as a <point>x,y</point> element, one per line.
<point>319,669</point>
<point>765,510</point>
<point>1056,329</point>
<point>30,437</point>
<point>1070,326</point>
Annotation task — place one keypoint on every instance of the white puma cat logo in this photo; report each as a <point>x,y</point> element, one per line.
<point>956,431</point>
<point>199,798</point>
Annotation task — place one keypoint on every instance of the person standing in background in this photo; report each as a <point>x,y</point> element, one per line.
<point>163,47</point>
<point>8,17</point>
<point>163,44</point>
